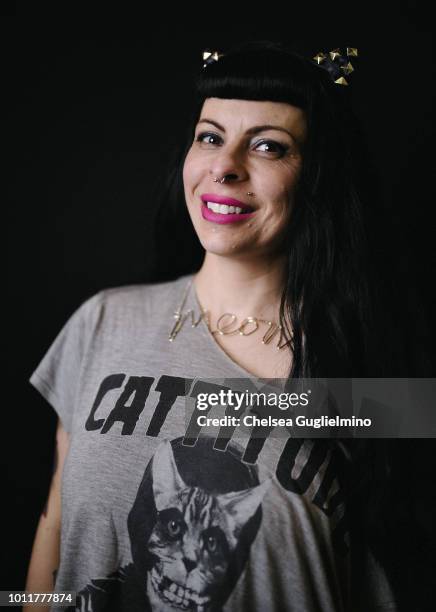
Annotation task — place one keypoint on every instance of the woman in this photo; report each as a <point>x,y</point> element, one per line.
<point>158,512</point>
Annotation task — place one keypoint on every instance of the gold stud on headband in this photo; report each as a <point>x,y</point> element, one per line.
<point>348,68</point>
<point>209,57</point>
<point>320,57</point>
<point>335,53</point>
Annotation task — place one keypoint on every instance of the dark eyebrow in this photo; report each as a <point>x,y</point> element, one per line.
<point>253,130</point>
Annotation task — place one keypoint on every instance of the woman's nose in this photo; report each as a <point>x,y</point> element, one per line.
<point>228,165</point>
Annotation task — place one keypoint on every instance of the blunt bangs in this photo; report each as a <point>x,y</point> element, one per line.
<point>271,73</point>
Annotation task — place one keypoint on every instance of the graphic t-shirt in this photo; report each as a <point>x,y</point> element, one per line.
<point>159,515</point>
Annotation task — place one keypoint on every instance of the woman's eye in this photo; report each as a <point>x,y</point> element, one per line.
<point>271,147</point>
<point>208,138</point>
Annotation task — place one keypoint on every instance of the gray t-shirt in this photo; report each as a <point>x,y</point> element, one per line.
<point>157,515</point>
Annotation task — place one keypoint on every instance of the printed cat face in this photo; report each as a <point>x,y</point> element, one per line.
<point>194,536</point>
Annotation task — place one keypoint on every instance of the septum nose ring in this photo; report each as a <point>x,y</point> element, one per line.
<point>222,180</point>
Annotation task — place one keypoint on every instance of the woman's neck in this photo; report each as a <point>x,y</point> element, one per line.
<point>242,287</point>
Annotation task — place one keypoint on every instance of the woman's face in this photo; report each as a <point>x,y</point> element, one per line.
<point>257,145</point>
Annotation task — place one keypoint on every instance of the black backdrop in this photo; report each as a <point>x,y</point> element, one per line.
<point>96,103</point>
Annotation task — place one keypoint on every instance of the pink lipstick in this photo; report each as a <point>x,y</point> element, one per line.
<point>223,216</point>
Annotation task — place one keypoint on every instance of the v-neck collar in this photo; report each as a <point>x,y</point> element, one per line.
<point>192,302</point>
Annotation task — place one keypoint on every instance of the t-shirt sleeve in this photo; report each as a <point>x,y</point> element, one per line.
<point>57,375</point>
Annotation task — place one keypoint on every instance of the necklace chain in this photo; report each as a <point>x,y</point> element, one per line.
<point>223,329</point>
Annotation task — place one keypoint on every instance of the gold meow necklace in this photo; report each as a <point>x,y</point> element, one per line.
<point>248,326</point>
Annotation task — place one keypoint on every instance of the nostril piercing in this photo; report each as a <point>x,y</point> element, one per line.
<point>223,179</point>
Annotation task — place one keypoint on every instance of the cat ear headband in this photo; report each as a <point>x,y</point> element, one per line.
<point>337,64</point>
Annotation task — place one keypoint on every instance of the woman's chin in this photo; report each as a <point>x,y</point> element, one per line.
<point>225,247</point>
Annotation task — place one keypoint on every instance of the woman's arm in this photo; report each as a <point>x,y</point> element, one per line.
<point>45,552</point>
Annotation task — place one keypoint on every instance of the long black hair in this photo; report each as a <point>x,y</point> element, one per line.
<point>342,296</point>
<point>330,301</point>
